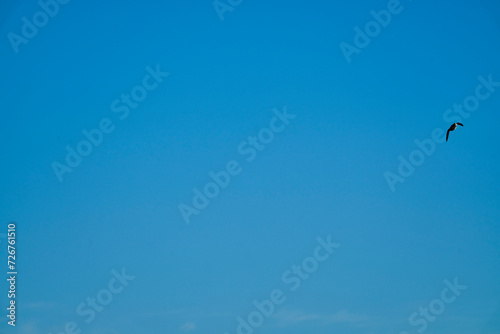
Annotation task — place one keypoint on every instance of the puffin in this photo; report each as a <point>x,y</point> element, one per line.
<point>452,127</point>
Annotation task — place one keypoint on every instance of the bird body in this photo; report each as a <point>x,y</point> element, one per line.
<point>452,127</point>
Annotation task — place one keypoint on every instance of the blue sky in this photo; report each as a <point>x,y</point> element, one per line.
<point>112,229</point>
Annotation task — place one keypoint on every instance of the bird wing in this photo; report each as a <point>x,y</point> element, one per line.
<point>447,134</point>
<point>460,124</point>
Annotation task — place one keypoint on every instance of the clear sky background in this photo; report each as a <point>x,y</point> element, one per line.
<point>323,175</point>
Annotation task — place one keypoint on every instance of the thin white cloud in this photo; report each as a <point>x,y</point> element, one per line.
<point>186,313</point>
<point>288,317</point>
<point>167,312</point>
<point>28,328</point>
<point>188,327</point>
<point>39,305</point>
<point>344,316</point>
<point>100,330</point>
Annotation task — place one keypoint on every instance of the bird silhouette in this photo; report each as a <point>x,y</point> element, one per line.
<point>452,127</point>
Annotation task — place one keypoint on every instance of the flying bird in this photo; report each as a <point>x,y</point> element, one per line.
<point>452,127</point>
